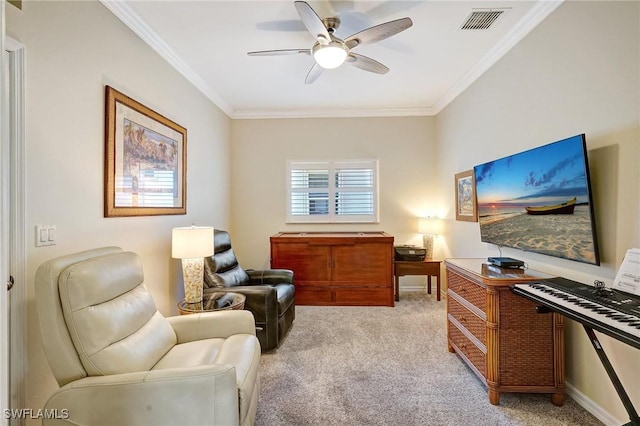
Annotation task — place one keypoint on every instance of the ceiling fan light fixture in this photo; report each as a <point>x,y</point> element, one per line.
<point>330,55</point>
<point>329,51</point>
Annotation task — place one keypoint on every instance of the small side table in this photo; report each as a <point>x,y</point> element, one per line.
<point>428,267</point>
<point>217,301</point>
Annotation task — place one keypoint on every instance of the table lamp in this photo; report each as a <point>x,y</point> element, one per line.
<point>192,244</point>
<point>429,227</point>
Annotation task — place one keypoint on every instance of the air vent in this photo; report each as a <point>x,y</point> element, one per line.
<point>481,19</point>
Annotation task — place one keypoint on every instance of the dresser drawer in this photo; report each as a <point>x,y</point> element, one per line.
<point>468,319</point>
<point>468,290</point>
<point>470,351</point>
<point>345,296</point>
<point>307,295</point>
<point>371,296</point>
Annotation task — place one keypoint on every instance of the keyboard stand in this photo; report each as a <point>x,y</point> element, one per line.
<point>628,405</point>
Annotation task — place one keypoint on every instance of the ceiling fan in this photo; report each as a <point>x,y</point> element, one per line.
<point>329,51</point>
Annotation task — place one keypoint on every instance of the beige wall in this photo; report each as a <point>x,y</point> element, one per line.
<point>73,49</point>
<point>405,148</point>
<point>578,72</point>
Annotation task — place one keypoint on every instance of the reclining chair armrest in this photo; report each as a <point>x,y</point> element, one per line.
<point>156,397</point>
<point>208,325</point>
<point>260,300</point>
<point>270,276</point>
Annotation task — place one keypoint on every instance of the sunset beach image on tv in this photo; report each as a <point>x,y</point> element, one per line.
<point>540,201</point>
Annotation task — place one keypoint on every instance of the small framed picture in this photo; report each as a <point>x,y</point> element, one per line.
<point>145,160</point>
<point>465,194</point>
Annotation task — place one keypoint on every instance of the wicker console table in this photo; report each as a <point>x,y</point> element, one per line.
<point>499,335</point>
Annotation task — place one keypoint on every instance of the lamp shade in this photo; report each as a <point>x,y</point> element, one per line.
<point>430,225</point>
<point>330,55</point>
<point>191,242</point>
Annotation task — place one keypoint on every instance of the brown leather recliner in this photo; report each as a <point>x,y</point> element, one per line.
<point>270,294</point>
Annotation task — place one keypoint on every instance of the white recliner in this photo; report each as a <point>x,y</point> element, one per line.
<point>118,361</point>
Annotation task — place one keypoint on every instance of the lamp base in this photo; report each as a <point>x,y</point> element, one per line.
<point>427,243</point>
<point>193,274</point>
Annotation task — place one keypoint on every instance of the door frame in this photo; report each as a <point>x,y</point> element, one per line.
<point>13,227</point>
<point>18,234</point>
<point>4,272</point>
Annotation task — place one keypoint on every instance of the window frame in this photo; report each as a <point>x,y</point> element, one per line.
<point>332,166</point>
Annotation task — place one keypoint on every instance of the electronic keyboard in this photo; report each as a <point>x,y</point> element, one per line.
<point>611,312</point>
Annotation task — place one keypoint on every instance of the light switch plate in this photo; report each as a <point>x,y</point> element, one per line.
<point>45,235</point>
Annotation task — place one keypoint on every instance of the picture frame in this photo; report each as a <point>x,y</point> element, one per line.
<point>465,196</point>
<point>145,160</point>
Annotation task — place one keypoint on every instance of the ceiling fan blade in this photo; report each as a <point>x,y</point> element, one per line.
<point>280,52</point>
<point>311,20</point>
<point>377,33</point>
<point>313,74</point>
<point>366,63</point>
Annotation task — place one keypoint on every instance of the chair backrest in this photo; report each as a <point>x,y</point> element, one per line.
<point>222,269</point>
<point>97,317</point>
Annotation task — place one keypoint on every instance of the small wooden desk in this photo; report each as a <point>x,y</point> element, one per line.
<point>428,267</point>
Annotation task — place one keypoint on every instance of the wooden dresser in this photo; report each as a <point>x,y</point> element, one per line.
<point>337,268</point>
<point>502,338</point>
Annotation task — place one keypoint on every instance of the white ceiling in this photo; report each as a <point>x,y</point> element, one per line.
<point>431,63</point>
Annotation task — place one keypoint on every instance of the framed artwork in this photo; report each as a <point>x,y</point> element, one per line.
<point>145,160</point>
<point>466,197</point>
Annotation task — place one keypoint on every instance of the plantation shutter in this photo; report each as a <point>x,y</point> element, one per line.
<point>332,191</point>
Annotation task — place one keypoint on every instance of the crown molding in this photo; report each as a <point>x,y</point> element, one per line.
<point>530,20</point>
<point>331,113</point>
<point>123,12</point>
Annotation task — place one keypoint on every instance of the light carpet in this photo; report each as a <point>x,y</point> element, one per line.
<point>387,366</point>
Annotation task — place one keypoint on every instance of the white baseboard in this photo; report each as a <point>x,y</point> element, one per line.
<point>419,289</point>
<point>586,403</point>
<point>414,288</point>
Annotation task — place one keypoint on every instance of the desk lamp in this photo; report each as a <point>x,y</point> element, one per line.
<point>429,227</point>
<point>192,244</point>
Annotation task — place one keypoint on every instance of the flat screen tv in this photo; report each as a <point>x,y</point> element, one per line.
<point>540,201</point>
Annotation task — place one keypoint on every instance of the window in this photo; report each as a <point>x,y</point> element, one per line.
<point>332,191</point>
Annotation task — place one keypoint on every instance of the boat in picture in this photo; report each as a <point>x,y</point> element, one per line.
<point>562,208</point>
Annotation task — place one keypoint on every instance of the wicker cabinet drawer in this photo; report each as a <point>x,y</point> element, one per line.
<point>477,326</point>
<point>468,290</point>
<point>467,349</point>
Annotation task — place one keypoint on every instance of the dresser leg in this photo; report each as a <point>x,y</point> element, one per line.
<point>557,399</point>
<point>397,288</point>
<point>494,397</point>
